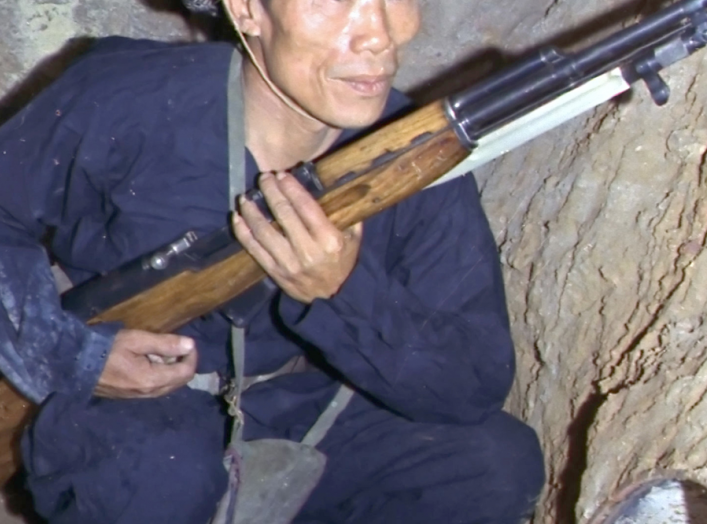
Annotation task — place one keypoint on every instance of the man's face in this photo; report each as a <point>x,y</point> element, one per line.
<point>335,58</point>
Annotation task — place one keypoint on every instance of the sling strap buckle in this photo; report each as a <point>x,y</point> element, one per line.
<point>231,394</point>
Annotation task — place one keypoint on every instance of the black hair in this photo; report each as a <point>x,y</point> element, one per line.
<point>208,7</point>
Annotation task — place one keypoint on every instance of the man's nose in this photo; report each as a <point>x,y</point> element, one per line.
<point>372,29</point>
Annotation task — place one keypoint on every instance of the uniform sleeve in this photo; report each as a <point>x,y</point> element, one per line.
<point>42,348</point>
<point>424,329</point>
<point>46,154</point>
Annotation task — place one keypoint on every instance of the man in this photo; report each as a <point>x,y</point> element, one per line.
<point>128,150</point>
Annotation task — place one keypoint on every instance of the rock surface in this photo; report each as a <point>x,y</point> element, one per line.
<point>38,37</point>
<point>601,226</point>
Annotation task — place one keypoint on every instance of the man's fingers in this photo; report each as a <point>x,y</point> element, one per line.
<point>175,373</point>
<point>309,213</point>
<point>161,378</point>
<point>142,365</point>
<point>281,206</point>
<point>175,346</point>
<point>163,345</point>
<point>301,217</point>
<point>304,253</point>
<point>260,228</point>
<point>246,238</point>
<point>354,232</point>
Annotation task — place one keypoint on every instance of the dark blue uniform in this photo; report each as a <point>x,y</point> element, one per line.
<point>126,151</point>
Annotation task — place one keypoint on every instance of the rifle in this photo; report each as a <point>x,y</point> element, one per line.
<point>452,136</point>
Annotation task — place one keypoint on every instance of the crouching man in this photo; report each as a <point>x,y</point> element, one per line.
<point>129,149</point>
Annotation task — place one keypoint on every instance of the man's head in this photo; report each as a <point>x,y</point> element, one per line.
<point>335,59</point>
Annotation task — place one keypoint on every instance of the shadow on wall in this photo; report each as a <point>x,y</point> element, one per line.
<point>18,504</point>
<point>53,66</point>
<point>170,6</point>
<point>486,62</point>
<point>217,28</point>
<point>695,501</point>
<point>41,76</point>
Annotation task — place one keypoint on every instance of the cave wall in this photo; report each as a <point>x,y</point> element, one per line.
<point>38,38</point>
<point>603,247</point>
<point>601,227</point>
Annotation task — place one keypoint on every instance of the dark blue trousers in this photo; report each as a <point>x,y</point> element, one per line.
<point>158,461</point>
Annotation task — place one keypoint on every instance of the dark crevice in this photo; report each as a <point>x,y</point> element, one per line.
<point>18,500</point>
<point>695,501</point>
<point>702,169</point>
<point>537,354</point>
<point>549,9</point>
<point>570,479</point>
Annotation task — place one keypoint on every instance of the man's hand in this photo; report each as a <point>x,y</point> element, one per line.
<point>145,365</point>
<point>311,258</point>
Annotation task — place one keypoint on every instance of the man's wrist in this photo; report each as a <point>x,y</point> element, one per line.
<point>91,361</point>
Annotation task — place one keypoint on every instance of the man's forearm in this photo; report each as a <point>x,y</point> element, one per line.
<point>42,348</point>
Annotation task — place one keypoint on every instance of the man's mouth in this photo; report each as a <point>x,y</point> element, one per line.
<point>368,85</point>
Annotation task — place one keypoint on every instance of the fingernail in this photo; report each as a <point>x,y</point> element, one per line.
<point>265,176</point>
<point>236,218</point>
<point>281,175</point>
<point>242,200</point>
<point>186,344</point>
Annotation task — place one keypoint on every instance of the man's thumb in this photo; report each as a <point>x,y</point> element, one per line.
<point>174,346</point>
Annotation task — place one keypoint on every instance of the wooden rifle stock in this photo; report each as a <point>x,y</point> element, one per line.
<point>402,158</point>
<point>383,168</point>
<point>407,155</point>
<point>361,179</point>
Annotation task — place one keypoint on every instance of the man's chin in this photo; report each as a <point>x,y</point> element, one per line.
<point>357,115</point>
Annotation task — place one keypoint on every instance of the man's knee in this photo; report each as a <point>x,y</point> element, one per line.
<point>181,462</point>
<point>514,463</point>
<point>116,461</point>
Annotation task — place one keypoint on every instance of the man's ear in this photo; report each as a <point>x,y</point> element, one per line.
<point>245,15</point>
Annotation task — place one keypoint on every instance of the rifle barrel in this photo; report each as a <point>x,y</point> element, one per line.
<point>382,168</point>
<point>549,73</point>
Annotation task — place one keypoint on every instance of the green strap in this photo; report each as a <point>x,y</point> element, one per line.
<point>326,420</point>
<point>236,186</point>
<point>236,167</point>
<point>236,131</point>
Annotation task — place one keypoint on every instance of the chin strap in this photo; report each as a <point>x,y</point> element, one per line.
<point>266,78</point>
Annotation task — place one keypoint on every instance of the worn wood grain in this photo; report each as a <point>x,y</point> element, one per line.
<point>15,410</point>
